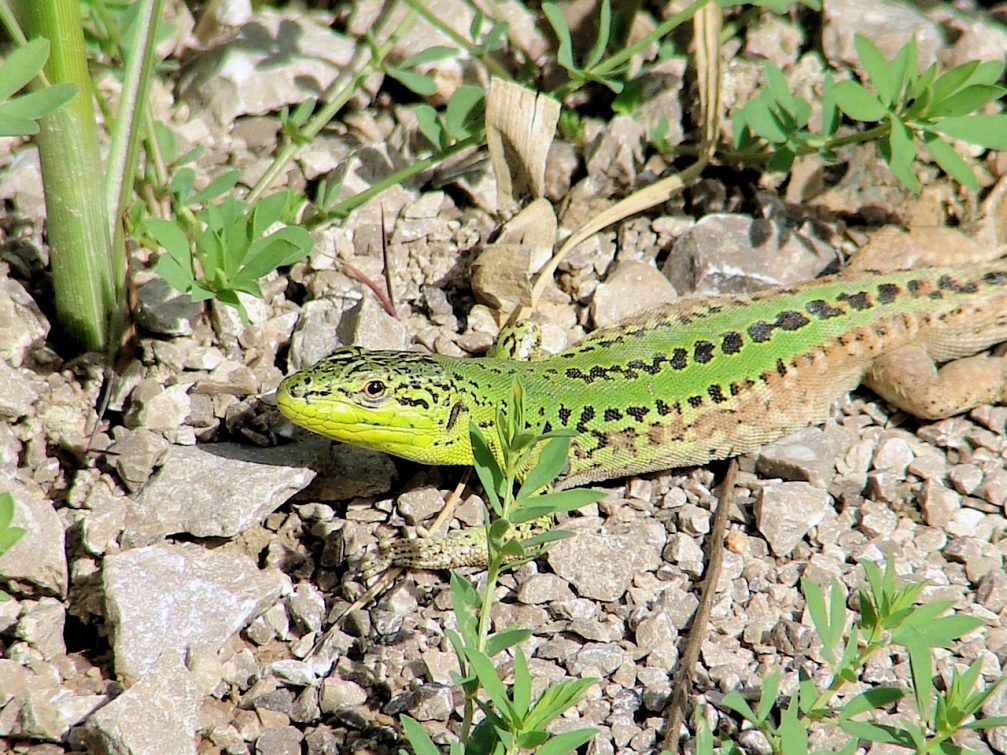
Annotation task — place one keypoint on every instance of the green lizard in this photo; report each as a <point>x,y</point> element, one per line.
<point>702,378</point>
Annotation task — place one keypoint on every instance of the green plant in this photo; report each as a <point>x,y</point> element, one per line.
<point>908,109</point>
<point>19,115</point>
<point>513,722</point>
<point>8,534</point>
<point>236,242</point>
<point>889,616</point>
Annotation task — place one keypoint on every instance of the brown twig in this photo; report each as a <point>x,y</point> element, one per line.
<point>701,619</point>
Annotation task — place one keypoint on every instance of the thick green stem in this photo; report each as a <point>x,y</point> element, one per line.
<point>89,290</point>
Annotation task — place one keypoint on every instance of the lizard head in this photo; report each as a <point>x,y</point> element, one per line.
<point>402,403</point>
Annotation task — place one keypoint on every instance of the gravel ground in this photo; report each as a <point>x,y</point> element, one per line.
<point>183,560</point>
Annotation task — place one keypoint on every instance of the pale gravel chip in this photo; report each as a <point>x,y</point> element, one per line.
<point>176,597</point>
<point>786,511</point>
<point>585,559</point>
<point>218,490</point>
<point>158,714</point>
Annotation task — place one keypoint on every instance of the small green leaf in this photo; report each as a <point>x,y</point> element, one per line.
<point>15,125</point>
<point>921,667</point>
<point>555,699</point>
<point>522,684</point>
<point>219,185</point>
<point>967,100</point>
<point>430,125</point>
<point>738,704</point>
<point>793,732</point>
<point>551,461</point>
<point>429,55</point>
<point>566,742</point>
<point>767,696</point>
<point>556,19</point>
<point>461,110</point>
<point>22,65</point>
<point>988,131</point>
<point>6,510</point>
<point>505,638</point>
<point>877,68</point>
<point>601,41</point>
<point>903,70</point>
<point>41,102</point>
<point>950,161</point>
<point>486,465</point>
<point>900,153</point>
<point>569,500</point>
<point>871,699</point>
<point>490,681</point>
<point>10,536</point>
<point>952,80</point>
<point>419,83</point>
<point>856,101</point>
<point>419,739</point>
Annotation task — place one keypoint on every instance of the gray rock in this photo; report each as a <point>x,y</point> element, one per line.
<point>428,702</point>
<point>159,714</point>
<point>22,324</point>
<point>965,478</point>
<point>218,490</point>
<point>888,23</point>
<point>34,705</point>
<point>162,309</point>
<point>347,472</point>
<point>39,557</point>
<point>19,390</point>
<point>939,504</point>
<point>544,588</point>
<point>597,659</point>
<point>980,557</point>
<point>280,740</point>
<point>41,626</point>
<point>724,253</point>
<point>176,597</point>
<point>166,410</point>
<point>785,512</point>
<point>420,504</point>
<point>316,335</point>
<point>277,59</point>
<point>307,607</point>
<point>633,286</point>
<point>589,559</point>
<point>367,324</point>
<point>135,455</point>
<point>337,693</point>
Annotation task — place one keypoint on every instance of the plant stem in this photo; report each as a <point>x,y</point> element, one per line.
<point>89,282</point>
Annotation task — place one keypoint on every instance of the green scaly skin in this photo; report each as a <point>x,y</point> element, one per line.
<point>702,378</point>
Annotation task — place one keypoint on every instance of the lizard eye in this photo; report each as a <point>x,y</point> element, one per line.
<point>374,389</point>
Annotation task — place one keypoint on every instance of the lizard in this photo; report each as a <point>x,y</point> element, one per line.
<point>701,378</point>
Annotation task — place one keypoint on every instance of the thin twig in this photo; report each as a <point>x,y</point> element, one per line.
<point>384,262</point>
<point>391,574</point>
<point>701,619</point>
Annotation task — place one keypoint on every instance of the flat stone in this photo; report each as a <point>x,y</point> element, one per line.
<point>809,455</point>
<point>22,324</point>
<point>601,562</point>
<point>177,597</point>
<point>247,75</point>
<point>939,504</point>
<point>632,287</point>
<point>218,490</point>
<point>726,253</point>
<point>544,588</point>
<point>41,626</point>
<point>19,390</point>
<point>158,714</point>
<point>39,557</point>
<point>162,309</point>
<point>785,512</point>
<point>135,454</point>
